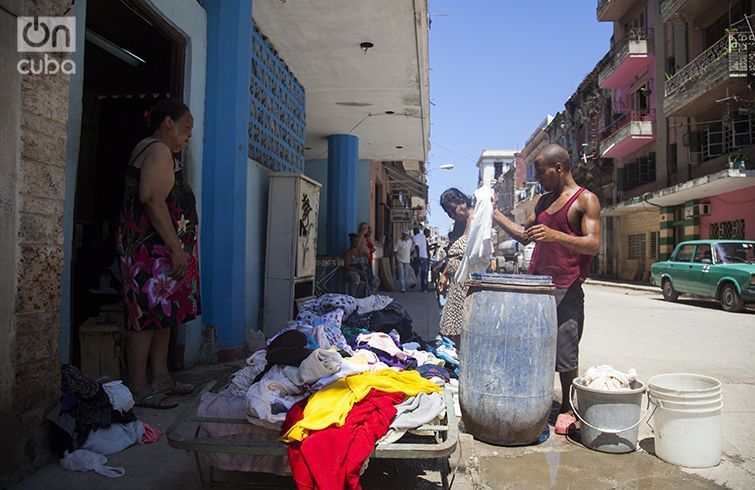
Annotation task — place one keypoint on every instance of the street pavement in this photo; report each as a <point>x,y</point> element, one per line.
<point>626,328</point>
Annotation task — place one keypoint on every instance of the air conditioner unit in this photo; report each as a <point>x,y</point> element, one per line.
<point>697,210</point>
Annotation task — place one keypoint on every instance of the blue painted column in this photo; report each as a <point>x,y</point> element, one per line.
<point>343,150</point>
<point>224,172</point>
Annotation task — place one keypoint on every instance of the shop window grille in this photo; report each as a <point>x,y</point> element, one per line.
<point>728,230</point>
<point>637,246</point>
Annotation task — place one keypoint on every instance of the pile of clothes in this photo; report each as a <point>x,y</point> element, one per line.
<point>347,374</point>
<point>93,420</point>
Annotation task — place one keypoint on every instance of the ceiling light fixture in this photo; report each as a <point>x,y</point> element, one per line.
<point>390,112</point>
<point>366,45</point>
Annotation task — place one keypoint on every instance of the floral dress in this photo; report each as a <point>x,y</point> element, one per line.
<point>153,299</point>
<point>450,321</point>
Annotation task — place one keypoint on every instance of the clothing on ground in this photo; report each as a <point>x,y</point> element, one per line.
<point>333,458</point>
<point>332,404</point>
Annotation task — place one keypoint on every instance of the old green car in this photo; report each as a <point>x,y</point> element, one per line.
<point>720,269</point>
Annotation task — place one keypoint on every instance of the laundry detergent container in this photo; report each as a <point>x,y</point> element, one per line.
<point>508,353</point>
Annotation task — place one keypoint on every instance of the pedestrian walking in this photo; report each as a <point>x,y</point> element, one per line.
<point>420,248</point>
<point>157,248</point>
<point>565,227</point>
<point>402,251</point>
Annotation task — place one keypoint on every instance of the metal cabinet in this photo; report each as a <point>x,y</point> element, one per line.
<point>293,205</point>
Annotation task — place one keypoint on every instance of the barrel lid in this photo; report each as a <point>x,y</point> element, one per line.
<point>512,279</point>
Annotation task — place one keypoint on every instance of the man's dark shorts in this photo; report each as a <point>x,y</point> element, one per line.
<point>571,320</point>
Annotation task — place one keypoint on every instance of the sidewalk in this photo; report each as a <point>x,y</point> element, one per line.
<point>618,283</point>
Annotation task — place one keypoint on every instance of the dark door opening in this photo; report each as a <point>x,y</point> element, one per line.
<point>132,59</point>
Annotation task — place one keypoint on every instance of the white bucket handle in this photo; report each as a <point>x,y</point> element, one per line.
<point>606,431</point>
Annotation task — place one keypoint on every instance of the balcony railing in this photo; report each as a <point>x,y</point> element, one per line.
<point>625,119</point>
<point>601,4</point>
<point>737,46</point>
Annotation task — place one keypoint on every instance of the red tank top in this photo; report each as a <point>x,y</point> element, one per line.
<point>552,259</point>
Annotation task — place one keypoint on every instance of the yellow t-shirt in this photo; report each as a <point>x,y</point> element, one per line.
<point>332,404</point>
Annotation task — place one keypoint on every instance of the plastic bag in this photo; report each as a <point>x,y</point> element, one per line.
<point>83,460</point>
<point>120,397</point>
<point>114,439</point>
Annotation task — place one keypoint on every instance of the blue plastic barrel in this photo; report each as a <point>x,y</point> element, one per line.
<point>508,355</point>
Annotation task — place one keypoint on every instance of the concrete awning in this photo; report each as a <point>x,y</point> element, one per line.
<point>381,94</point>
<point>710,185</point>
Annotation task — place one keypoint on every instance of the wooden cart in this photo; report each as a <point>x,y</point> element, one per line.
<point>438,447</point>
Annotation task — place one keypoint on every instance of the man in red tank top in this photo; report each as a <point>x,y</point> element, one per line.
<point>566,230</point>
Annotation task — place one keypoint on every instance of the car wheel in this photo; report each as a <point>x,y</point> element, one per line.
<point>730,299</point>
<point>669,293</point>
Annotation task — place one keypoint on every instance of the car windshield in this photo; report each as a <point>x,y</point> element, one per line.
<point>736,252</point>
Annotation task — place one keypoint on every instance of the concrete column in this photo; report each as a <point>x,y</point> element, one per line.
<point>343,151</point>
<point>224,173</point>
<point>667,233</point>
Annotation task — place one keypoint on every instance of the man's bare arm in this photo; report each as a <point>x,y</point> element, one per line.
<point>516,231</point>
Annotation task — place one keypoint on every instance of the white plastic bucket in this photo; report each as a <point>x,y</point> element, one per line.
<point>610,420</point>
<point>687,419</point>
<point>684,385</point>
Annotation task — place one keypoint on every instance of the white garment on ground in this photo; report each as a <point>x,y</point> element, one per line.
<point>120,397</point>
<point>83,460</point>
<point>403,249</point>
<point>319,364</point>
<point>242,379</point>
<point>372,303</point>
<point>349,368</point>
<point>607,378</point>
<point>424,357</point>
<point>114,439</point>
<point>420,240</point>
<point>480,239</point>
<point>272,397</point>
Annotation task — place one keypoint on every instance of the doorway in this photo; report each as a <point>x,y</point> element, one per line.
<point>132,59</point>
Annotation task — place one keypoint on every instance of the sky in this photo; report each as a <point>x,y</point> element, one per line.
<point>497,68</point>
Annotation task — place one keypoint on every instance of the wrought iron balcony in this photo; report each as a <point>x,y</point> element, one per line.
<point>628,58</point>
<point>627,134</point>
<point>613,9</point>
<point>732,56</point>
<point>684,9</point>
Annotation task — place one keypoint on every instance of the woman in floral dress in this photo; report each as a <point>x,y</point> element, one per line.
<point>157,245</point>
<point>457,205</point>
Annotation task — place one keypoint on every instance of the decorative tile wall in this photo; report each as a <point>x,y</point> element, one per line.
<point>277,122</point>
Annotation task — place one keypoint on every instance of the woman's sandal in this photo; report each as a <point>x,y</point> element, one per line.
<point>180,389</point>
<point>155,400</point>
